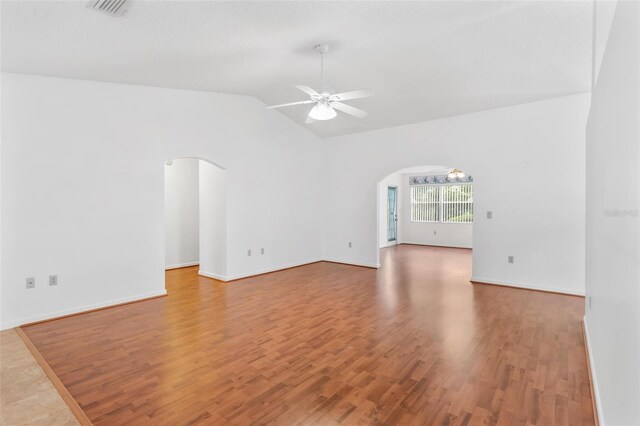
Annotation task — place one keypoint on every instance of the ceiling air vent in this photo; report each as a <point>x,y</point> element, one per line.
<point>111,7</point>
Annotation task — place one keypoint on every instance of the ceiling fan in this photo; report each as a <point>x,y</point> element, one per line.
<point>326,102</point>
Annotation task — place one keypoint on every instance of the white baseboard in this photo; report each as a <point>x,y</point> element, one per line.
<point>267,270</point>
<point>349,262</point>
<point>592,370</point>
<point>181,265</point>
<point>80,309</point>
<point>227,278</point>
<point>528,287</point>
<point>435,245</point>
<point>212,275</point>
<point>391,244</point>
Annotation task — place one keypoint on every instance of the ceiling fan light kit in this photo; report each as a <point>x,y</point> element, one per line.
<point>326,102</point>
<point>322,111</point>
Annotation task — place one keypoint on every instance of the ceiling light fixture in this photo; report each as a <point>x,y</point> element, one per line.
<point>455,174</point>
<point>322,111</point>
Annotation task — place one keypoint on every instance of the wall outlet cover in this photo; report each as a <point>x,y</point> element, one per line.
<point>31,282</point>
<point>53,280</point>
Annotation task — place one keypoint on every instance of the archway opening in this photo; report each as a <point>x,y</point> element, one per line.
<point>429,205</point>
<point>195,216</point>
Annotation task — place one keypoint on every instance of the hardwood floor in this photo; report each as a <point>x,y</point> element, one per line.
<point>411,343</point>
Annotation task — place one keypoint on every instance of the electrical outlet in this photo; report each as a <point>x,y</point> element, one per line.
<point>489,215</point>
<point>261,251</point>
<point>249,252</point>
<point>349,244</point>
<point>53,280</point>
<point>510,259</point>
<point>31,282</point>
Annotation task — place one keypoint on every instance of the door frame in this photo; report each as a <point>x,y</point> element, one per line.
<point>395,213</point>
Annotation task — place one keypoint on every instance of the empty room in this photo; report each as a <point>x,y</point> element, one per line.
<point>320,212</point>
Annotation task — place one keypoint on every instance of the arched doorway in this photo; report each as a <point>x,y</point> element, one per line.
<point>429,205</point>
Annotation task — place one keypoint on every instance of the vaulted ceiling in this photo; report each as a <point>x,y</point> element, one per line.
<point>423,60</point>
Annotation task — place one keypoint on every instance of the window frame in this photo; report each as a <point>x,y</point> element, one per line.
<point>441,210</point>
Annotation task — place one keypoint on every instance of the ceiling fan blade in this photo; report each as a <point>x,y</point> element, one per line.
<point>354,94</point>
<point>291,103</point>
<point>348,109</point>
<point>308,90</point>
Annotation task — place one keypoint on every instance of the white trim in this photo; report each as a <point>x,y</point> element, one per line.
<point>390,244</point>
<point>528,287</point>
<point>348,262</point>
<point>212,275</point>
<point>80,309</point>
<point>227,278</point>
<point>181,265</point>
<point>592,370</point>
<point>267,270</point>
<point>437,245</point>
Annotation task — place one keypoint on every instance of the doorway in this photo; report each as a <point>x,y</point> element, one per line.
<point>425,205</point>
<point>195,216</point>
<point>392,214</point>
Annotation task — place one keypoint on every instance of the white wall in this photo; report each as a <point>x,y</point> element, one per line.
<point>519,156</point>
<point>181,213</point>
<point>603,12</point>
<point>83,188</point>
<point>613,223</point>
<point>394,179</point>
<point>213,221</point>
<point>431,233</point>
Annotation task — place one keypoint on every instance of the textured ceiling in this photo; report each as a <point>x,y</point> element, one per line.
<point>424,60</point>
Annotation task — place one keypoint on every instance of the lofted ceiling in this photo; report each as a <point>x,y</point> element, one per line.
<point>424,60</point>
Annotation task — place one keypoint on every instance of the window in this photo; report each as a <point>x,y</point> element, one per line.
<point>449,203</point>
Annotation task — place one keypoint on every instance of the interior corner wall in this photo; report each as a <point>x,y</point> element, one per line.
<point>181,213</point>
<point>431,233</point>
<point>213,220</point>
<point>83,188</point>
<point>603,12</point>
<point>523,159</point>
<point>612,320</point>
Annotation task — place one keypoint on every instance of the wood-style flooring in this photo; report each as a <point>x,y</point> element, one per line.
<point>411,343</point>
